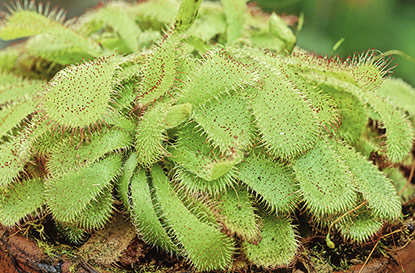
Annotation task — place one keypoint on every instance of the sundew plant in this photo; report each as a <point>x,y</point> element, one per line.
<point>205,120</point>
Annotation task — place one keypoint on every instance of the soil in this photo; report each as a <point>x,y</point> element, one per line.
<point>19,254</point>
<point>402,260</point>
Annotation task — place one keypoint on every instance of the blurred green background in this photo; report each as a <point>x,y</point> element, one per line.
<point>380,24</point>
<point>364,24</point>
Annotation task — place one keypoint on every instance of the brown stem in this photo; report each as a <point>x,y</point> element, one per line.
<point>410,177</point>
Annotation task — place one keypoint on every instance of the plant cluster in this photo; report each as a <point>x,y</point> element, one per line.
<point>212,137</point>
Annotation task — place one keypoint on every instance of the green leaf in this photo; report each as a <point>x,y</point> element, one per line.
<point>70,154</point>
<point>13,115</point>
<point>150,135</point>
<point>400,135</point>
<point>25,23</point>
<point>271,182</point>
<point>129,73</point>
<point>126,93</point>
<point>399,181</point>
<point>47,142</point>
<point>204,245</point>
<point>362,71</point>
<point>360,228</point>
<point>8,59</point>
<point>235,19</point>
<point>187,14</point>
<point>159,72</point>
<point>124,122</point>
<point>116,17</point>
<point>353,115</point>
<point>210,22</point>
<point>280,29</point>
<point>265,40</point>
<point>325,108</point>
<point>230,131</point>
<point>18,151</point>
<point>72,233</point>
<point>277,247</point>
<point>176,115</point>
<point>400,93</point>
<point>129,168</point>
<point>224,74</point>
<point>203,208</point>
<point>20,200</point>
<point>145,217</point>
<point>185,67</point>
<point>194,154</point>
<point>14,88</point>
<point>372,183</point>
<point>399,132</point>
<point>98,211</point>
<point>325,181</point>
<point>285,120</point>
<point>8,78</point>
<point>57,49</point>
<point>11,161</point>
<point>276,36</point>
<point>69,194</point>
<point>193,184</point>
<point>155,14</point>
<point>238,214</point>
<point>79,96</point>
